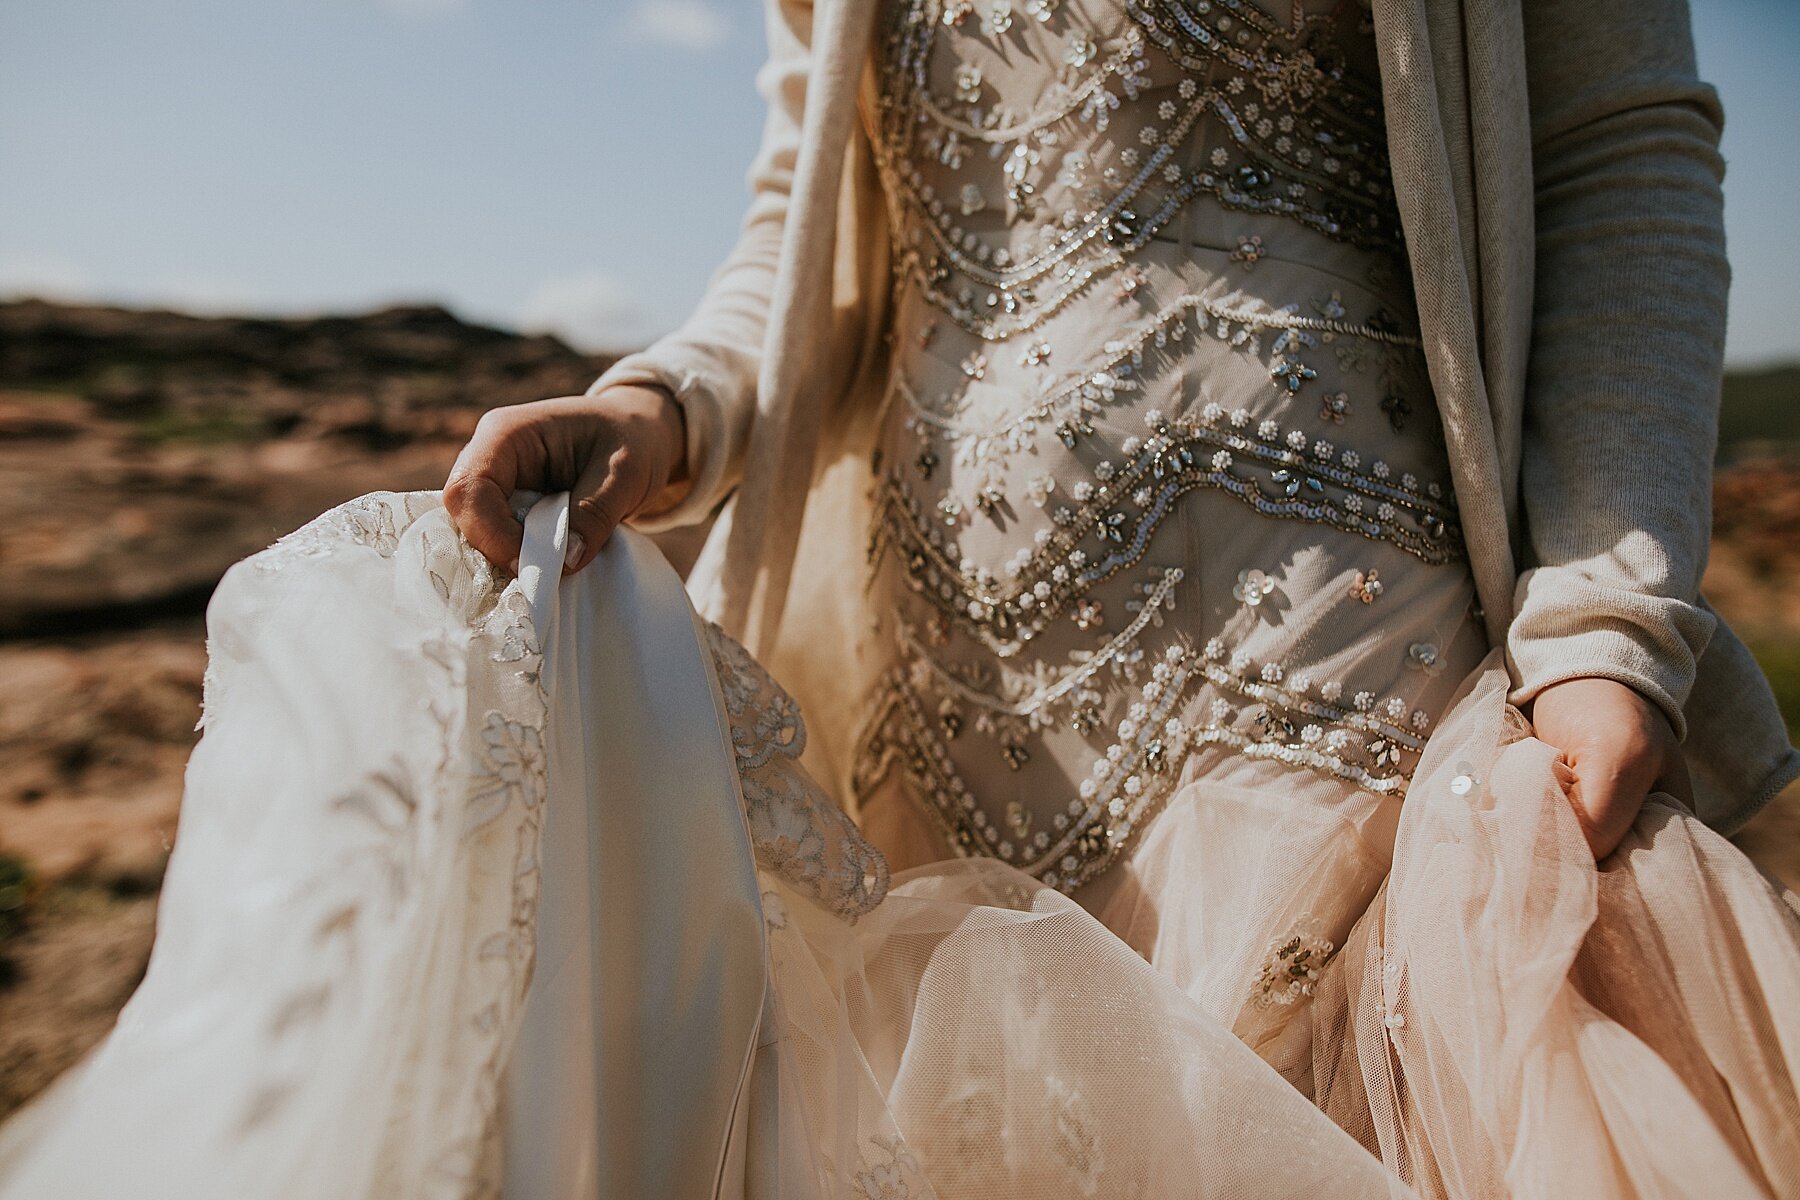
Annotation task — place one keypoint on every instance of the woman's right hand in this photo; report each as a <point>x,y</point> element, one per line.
<point>613,452</point>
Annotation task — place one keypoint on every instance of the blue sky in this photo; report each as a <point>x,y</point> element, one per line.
<point>572,165</point>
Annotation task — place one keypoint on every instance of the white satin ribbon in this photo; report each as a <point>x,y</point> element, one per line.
<point>651,968</point>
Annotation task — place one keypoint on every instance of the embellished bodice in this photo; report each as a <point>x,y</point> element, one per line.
<point>1029,154</point>
<point>1157,436</point>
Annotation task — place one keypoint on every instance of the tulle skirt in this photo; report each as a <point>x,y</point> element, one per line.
<point>490,886</point>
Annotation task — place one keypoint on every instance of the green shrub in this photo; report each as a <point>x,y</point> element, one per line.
<point>1780,661</point>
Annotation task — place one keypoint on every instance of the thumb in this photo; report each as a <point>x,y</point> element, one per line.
<point>1606,796</point>
<point>610,489</point>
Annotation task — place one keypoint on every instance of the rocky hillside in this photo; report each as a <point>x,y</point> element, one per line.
<point>216,378</point>
<point>141,453</point>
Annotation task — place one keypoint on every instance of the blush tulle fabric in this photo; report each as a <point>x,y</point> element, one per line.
<point>466,902</point>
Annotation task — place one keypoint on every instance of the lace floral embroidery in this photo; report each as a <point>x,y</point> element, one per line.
<point>795,829</point>
<point>486,779</point>
<point>890,1172</point>
<point>1077,1143</point>
<point>374,520</point>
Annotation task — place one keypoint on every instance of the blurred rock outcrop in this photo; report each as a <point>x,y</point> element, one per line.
<point>141,453</point>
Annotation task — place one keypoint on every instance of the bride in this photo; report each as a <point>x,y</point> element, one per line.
<point>1222,487</point>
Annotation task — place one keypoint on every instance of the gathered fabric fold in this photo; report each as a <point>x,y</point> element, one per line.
<point>518,886</point>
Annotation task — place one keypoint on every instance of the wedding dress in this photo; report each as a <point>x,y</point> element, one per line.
<point>418,779</point>
<point>1196,850</point>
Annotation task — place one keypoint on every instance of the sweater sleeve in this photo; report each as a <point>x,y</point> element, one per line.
<point>710,363</point>
<point>1621,410</point>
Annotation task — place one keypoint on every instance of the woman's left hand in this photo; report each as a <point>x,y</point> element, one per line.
<point>1620,747</point>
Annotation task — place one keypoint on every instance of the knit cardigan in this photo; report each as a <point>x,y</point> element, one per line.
<point>1558,177</point>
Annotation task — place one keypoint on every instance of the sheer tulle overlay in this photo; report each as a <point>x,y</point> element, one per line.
<point>344,935</point>
<point>417,777</point>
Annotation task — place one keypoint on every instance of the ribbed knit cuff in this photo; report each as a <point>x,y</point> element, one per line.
<point>1569,626</point>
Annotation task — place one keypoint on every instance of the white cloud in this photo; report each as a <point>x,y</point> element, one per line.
<point>684,24</point>
<point>591,310</point>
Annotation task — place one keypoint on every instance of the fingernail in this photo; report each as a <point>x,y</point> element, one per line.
<point>514,567</point>
<point>576,546</point>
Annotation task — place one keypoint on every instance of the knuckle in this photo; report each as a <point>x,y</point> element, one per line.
<point>626,462</point>
<point>642,464</point>
<point>457,492</point>
<point>599,509</point>
<point>494,417</point>
<point>496,425</point>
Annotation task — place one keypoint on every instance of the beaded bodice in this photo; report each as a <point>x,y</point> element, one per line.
<point>1158,436</point>
<point>1017,186</point>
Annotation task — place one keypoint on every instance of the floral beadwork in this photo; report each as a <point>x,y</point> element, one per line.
<point>1253,587</point>
<point>1425,657</point>
<point>1118,518</point>
<point>1186,700</point>
<point>1099,367</point>
<point>1066,408</point>
<point>1290,971</point>
<point>1297,136</point>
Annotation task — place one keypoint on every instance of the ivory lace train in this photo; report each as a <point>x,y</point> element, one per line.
<point>417,780</point>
